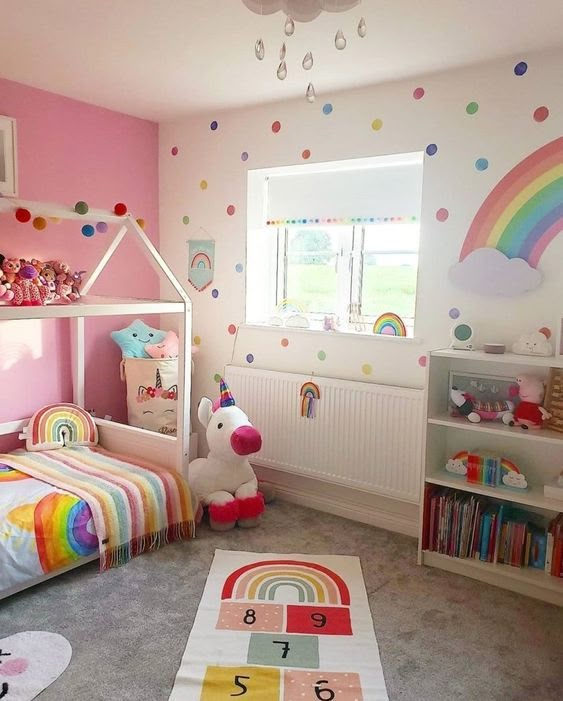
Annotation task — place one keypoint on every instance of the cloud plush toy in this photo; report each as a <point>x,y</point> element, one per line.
<point>133,339</point>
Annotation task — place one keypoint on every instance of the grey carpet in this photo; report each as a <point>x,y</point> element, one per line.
<point>441,636</point>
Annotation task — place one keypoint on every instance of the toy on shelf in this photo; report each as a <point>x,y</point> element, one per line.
<point>26,292</point>
<point>487,469</point>
<point>536,343</point>
<point>475,410</point>
<point>554,399</point>
<point>133,339</point>
<point>167,348</point>
<point>225,481</point>
<point>528,413</point>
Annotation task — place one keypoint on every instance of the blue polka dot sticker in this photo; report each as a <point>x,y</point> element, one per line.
<point>454,313</point>
<point>239,267</point>
<point>431,149</point>
<point>88,230</point>
<point>215,293</point>
<point>481,164</point>
<point>327,108</point>
<point>520,68</point>
<point>213,126</point>
<point>244,156</point>
<point>250,358</point>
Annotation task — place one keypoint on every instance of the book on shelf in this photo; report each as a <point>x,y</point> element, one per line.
<point>469,526</point>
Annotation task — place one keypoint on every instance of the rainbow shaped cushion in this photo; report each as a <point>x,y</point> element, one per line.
<point>59,426</point>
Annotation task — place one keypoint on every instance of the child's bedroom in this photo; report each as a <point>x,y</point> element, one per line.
<point>281,350</point>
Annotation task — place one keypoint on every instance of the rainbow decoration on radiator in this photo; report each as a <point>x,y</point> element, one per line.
<point>310,393</point>
<point>524,211</point>
<point>64,530</point>
<point>60,425</point>
<point>261,580</point>
<point>389,324</point>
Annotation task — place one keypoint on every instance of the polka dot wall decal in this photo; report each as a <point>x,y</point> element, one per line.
<point>213,126</point>
<point>285,342</point>
<point>231,210</point>
<point>244,156</point>
<point>276,126</point>
<point>306,154</point>
<point>481,164</point>
<point>321,355</point>
<point>250,358</point>
<point>39,223</point>
<point>23,215</point>
<point>541,114</point>
<point>102,227</point>
<point>217,377</point>
<point>520,68</point>
<point>185,219</point>
<point>215,293</point>
<point>232,329</point>
<point>203,184</point>
<point>327,108</point>
<point>422,360</point>
<point>239,267</point>
<point>442,214</point>
<point>471,108</point>
<point>367,369</point>
<point>88,230</point>
<point>197,341</point>
<point>174,150</point>
<point>431,149</point>
<point>453,313</point>
<point>418,93</point>
<point>376,124</point>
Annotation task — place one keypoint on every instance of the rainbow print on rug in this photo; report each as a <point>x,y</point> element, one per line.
<point>389,324</point>
<point>58,425</point>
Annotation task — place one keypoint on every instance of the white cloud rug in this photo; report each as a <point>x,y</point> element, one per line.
<point>274,627</point>
<point>30,662</point>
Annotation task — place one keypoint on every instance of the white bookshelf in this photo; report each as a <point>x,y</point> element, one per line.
<point>538,453</point>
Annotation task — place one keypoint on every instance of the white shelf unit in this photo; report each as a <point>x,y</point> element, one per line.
<point>167,450</point>
<point>538,453</point>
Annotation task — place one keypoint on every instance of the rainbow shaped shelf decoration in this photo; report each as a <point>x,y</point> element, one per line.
<point>310,393</point>
<point>60,425</point>
<point>389,324</point>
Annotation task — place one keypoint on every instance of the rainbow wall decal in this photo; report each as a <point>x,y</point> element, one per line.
<point>261,580</point>
<point>201,260</point>
<point>310,393</point>
<point>59,425</point>
<point>389,324</point>
<point>524,212</point>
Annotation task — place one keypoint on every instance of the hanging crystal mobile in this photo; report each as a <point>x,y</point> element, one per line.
<point>289,27</point>
<point>307,61</point>
<point>340,40</point>
<point>282,51</point>
<point>310,94</point>
<point>259,49</point>
<point>282,71</point>
<point>362,29</point>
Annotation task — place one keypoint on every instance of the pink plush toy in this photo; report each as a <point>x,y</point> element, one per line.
<point>168,348</point>
<point>529,413</point>
<point>26,292</point>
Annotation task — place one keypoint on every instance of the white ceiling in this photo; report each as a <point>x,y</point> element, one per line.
<point>160,59</point>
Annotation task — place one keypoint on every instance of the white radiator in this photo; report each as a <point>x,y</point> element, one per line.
<point>363,435</point>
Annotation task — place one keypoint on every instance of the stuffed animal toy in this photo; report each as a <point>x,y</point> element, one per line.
<point>10,269</point>
<point>26,292</point>
<point>49,279</point>
<point>475,410</point>
<point>529,413</point>
<point>167,348</point>
<point>133,339</point>
<point>76,281</point>
<point>225,481</point>
<point>6,293</point>
<point>63,282</point>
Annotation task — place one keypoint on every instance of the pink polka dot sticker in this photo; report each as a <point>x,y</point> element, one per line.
<point>232,329</point>
<point>422,360</point>
<point>174,150</point>
<point>306,154</point>
<point>546,332</point>
<point>276,126</point>
<point>418,93</point>
<point>231,210</point>
<point>442,214</point>
<point>541,114</point>
<point>285,342</point>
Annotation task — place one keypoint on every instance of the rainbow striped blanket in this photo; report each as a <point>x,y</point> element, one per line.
<point>136,506</point>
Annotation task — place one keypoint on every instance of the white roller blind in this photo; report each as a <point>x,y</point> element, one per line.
<point>389,191</point>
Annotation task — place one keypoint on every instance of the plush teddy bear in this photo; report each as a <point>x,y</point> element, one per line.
<point>63,282</point>
<point>528,413</point>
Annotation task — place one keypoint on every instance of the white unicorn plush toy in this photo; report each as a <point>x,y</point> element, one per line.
<point>224,481</point>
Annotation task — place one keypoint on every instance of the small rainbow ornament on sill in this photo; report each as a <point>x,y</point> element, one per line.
<point>389,324</point>
<point>310,394</point>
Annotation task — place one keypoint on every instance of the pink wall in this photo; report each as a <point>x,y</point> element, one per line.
<point>70,151</point>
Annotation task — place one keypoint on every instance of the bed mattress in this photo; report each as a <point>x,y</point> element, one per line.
<point>43,529</point>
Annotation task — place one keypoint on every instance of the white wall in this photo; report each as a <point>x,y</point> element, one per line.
<point>503,131</point>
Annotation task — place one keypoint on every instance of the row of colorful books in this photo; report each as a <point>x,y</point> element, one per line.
<point>465,525</point>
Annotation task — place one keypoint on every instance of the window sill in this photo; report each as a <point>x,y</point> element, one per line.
<point>337,333</point>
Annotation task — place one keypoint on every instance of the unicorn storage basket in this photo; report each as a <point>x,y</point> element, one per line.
<point>152,393</point>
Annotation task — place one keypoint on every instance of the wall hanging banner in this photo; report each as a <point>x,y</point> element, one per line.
<point>310,394</point>
<point>201,263</point>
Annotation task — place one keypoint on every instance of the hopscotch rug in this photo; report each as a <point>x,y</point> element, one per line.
<point>273,627</point>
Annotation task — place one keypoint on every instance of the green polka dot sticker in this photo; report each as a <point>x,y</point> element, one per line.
<point>185,219</point>
<point>217,377</point>
<point>321,355</point>
<point>472,108</point>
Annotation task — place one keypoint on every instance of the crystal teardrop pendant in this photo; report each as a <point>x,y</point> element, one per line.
<point>310,94</point>
<point>339,40</point>
<point>282,71</point>
<point>282,51</point>
<point>259,49</point>
<point>289,27</point>
<point>308,61</point>
<point>362,29</point>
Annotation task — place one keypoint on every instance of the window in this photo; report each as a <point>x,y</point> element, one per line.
<point>334,272</point>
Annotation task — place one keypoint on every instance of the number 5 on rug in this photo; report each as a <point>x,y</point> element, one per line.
<point>252,683</point>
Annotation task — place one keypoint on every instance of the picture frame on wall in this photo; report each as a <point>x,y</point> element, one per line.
<point>8,157</point>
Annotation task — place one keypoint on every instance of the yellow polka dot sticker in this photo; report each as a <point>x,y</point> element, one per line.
<point>203,184</point>
<point>197,340</point>
<point>367,369</point>
<point>377,124</point>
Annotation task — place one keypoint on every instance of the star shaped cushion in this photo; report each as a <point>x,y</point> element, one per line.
<point>168,348</point>
<point>133,339</point>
